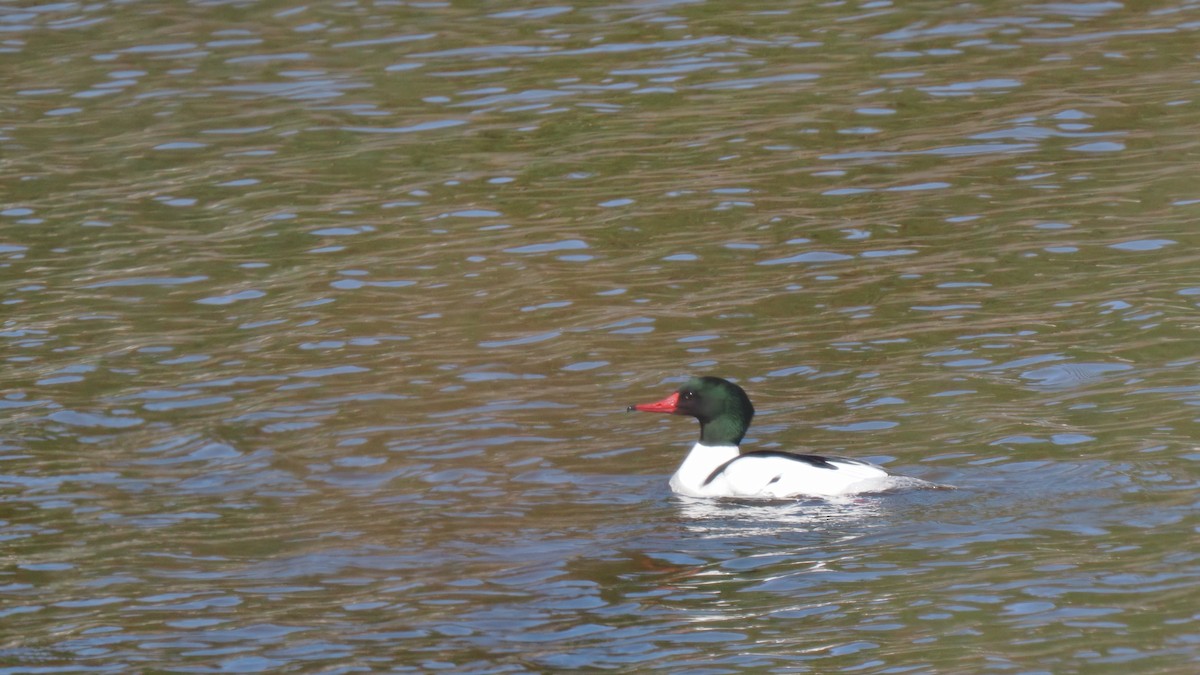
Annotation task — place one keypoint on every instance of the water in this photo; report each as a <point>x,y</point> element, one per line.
<point>319,323</point>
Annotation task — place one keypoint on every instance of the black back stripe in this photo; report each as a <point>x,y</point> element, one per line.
<point>717,471</point>
<point>816,461</point>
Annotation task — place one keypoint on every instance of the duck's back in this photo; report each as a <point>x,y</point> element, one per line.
<point>772,474</point>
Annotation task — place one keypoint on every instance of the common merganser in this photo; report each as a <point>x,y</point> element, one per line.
<point>717,467</point>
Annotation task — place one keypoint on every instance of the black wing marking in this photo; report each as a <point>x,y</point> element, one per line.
<point>817,461</point>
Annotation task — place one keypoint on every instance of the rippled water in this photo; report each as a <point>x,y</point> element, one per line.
<point>319,322</point>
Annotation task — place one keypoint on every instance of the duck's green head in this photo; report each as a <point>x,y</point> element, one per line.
<point>722,407</point>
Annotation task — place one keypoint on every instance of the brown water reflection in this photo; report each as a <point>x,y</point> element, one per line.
<point>320,321</point>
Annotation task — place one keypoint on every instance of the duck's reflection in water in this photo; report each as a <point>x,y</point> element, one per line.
<point>743,517</point>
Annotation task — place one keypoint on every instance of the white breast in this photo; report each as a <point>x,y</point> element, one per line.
<point>721,471</point>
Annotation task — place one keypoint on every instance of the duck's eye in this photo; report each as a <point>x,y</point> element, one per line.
<point>687,395</point>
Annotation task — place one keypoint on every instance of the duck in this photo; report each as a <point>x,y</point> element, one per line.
<point>717,466</point>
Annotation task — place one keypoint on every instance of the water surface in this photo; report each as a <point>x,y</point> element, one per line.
<point>319,322</point>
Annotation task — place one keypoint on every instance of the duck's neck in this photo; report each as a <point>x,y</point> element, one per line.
<point>723,431</point>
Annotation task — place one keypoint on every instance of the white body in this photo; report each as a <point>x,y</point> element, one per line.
<point>772,476</point>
